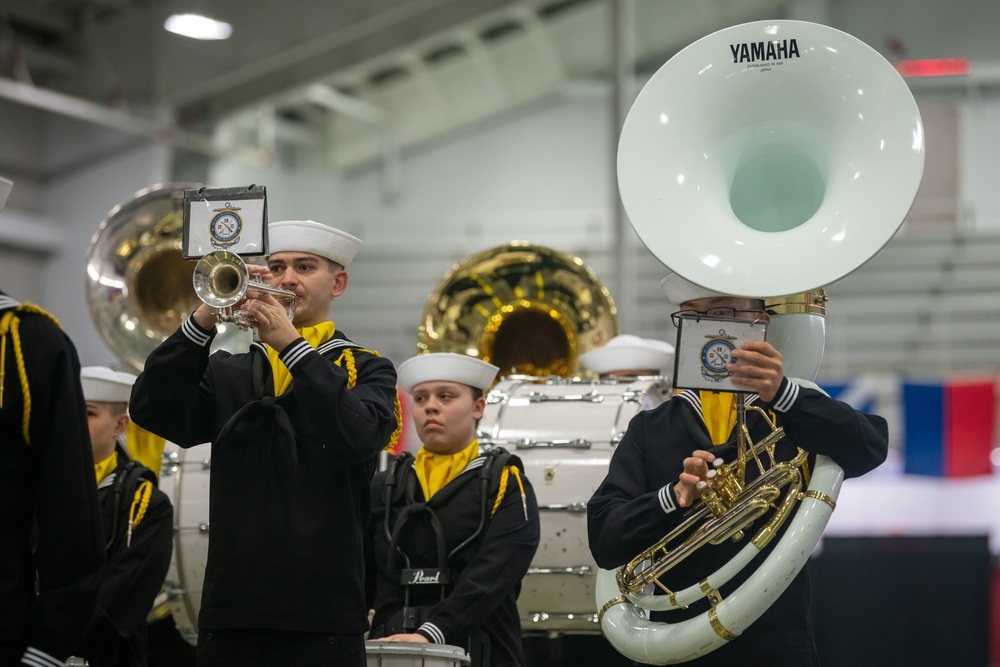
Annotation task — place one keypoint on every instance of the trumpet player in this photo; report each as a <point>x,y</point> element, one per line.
<point>666,452</point>
<point>296,425</point>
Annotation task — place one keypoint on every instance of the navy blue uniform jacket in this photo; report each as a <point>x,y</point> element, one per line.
<point>290,476</point>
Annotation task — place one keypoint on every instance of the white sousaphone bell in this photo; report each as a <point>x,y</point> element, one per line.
<point>765,160</point>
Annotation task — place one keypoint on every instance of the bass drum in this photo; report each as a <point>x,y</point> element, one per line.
<point>565,432</point>
<point>184,477</point>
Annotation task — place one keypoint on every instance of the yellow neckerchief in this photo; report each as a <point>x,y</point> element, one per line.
<point>103,468</point>
<point>145,447</point>
<point>315,336</point>
<point>434,471</point>
<point>719,412</point>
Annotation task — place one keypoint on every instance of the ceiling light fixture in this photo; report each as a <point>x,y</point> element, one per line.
<point>196,26</point>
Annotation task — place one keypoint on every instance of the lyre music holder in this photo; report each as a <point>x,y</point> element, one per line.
<point>225,219</point>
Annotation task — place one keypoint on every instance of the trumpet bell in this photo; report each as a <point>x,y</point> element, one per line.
<point>220,279</point>
<point>770,137</point>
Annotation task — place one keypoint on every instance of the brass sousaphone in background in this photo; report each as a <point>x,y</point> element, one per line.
<point>526,308</point>
<point>138,285</point>
<point>767,159</point>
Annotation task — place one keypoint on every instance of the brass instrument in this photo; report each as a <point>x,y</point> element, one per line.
<point>138,285</point>
<point>221,280</point>
<point>523,307</point>
<point>737,187</point>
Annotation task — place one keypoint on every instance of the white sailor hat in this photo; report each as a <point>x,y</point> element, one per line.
<point>312,237</point>
<point>679,290</point>
<point>5,188</point>
<point>627,352</point>
<point>446,367</point>
<point>103,384</point>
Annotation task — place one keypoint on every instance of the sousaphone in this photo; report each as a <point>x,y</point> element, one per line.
<point>765,160</point>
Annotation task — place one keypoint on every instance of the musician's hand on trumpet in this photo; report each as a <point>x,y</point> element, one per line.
<point>271,318</point>
<point>227,286</point>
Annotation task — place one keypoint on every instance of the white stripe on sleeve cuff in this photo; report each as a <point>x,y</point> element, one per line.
<point>434,631</point>
<point>36,658</point>
<point>787,398</point>
<point>194,334</point>
<point>296,353</point>
<point>667,502</point>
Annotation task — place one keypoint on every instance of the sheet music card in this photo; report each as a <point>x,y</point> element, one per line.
<point>705,346</point>
<point>233,219</point>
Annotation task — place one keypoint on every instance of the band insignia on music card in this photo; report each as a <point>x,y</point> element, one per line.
<point>716,355</point>
<point>226,226</point>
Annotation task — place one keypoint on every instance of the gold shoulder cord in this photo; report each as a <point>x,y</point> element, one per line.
<point>346,361</point>
<point>138,509</point>
<point>9,324</point>
<point>503,489</point>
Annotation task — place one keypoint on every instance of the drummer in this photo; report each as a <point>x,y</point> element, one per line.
<point>626,356</point>
<point>454,528</point>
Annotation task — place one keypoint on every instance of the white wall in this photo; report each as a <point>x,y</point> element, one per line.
<point>550,158</point>
<point>979,148</point>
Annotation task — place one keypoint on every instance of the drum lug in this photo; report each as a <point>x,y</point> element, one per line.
<point>590,397</point>
<point>577,443</point>
<point>578,507</point>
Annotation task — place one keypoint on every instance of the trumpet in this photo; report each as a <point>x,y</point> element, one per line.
<point>221,280</point>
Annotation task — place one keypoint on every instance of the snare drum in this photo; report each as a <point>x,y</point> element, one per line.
<point>413,654</point>
<point>184,477</point>
<point>565,433</point>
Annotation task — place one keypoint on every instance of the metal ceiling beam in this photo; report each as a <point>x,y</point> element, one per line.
<point>123,121</point>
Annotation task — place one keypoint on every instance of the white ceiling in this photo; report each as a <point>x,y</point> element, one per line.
<point>337,83</point>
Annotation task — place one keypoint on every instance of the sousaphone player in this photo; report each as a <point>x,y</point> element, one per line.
<point>666,452</point>
<point>766,160</point>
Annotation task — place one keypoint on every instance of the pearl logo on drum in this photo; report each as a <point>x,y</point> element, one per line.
<point>421,577</point>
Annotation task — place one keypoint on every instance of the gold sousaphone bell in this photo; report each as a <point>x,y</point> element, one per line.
<point>766,160</point>
<point>526,308</point>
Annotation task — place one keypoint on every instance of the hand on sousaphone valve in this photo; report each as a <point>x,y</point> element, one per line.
<point>695,475</point>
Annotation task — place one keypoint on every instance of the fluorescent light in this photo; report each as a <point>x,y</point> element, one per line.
<point>198,27</point>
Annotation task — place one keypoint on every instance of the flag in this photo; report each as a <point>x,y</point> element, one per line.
<point>950,427</point>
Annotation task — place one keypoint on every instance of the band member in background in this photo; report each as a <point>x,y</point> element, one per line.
<point>627,356</point>
<point>630,356</point>
<point>453,529</point>
<point>654,474</point>
<point>296,425</point>
<point>46,488</point>
<point>138,528</point>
